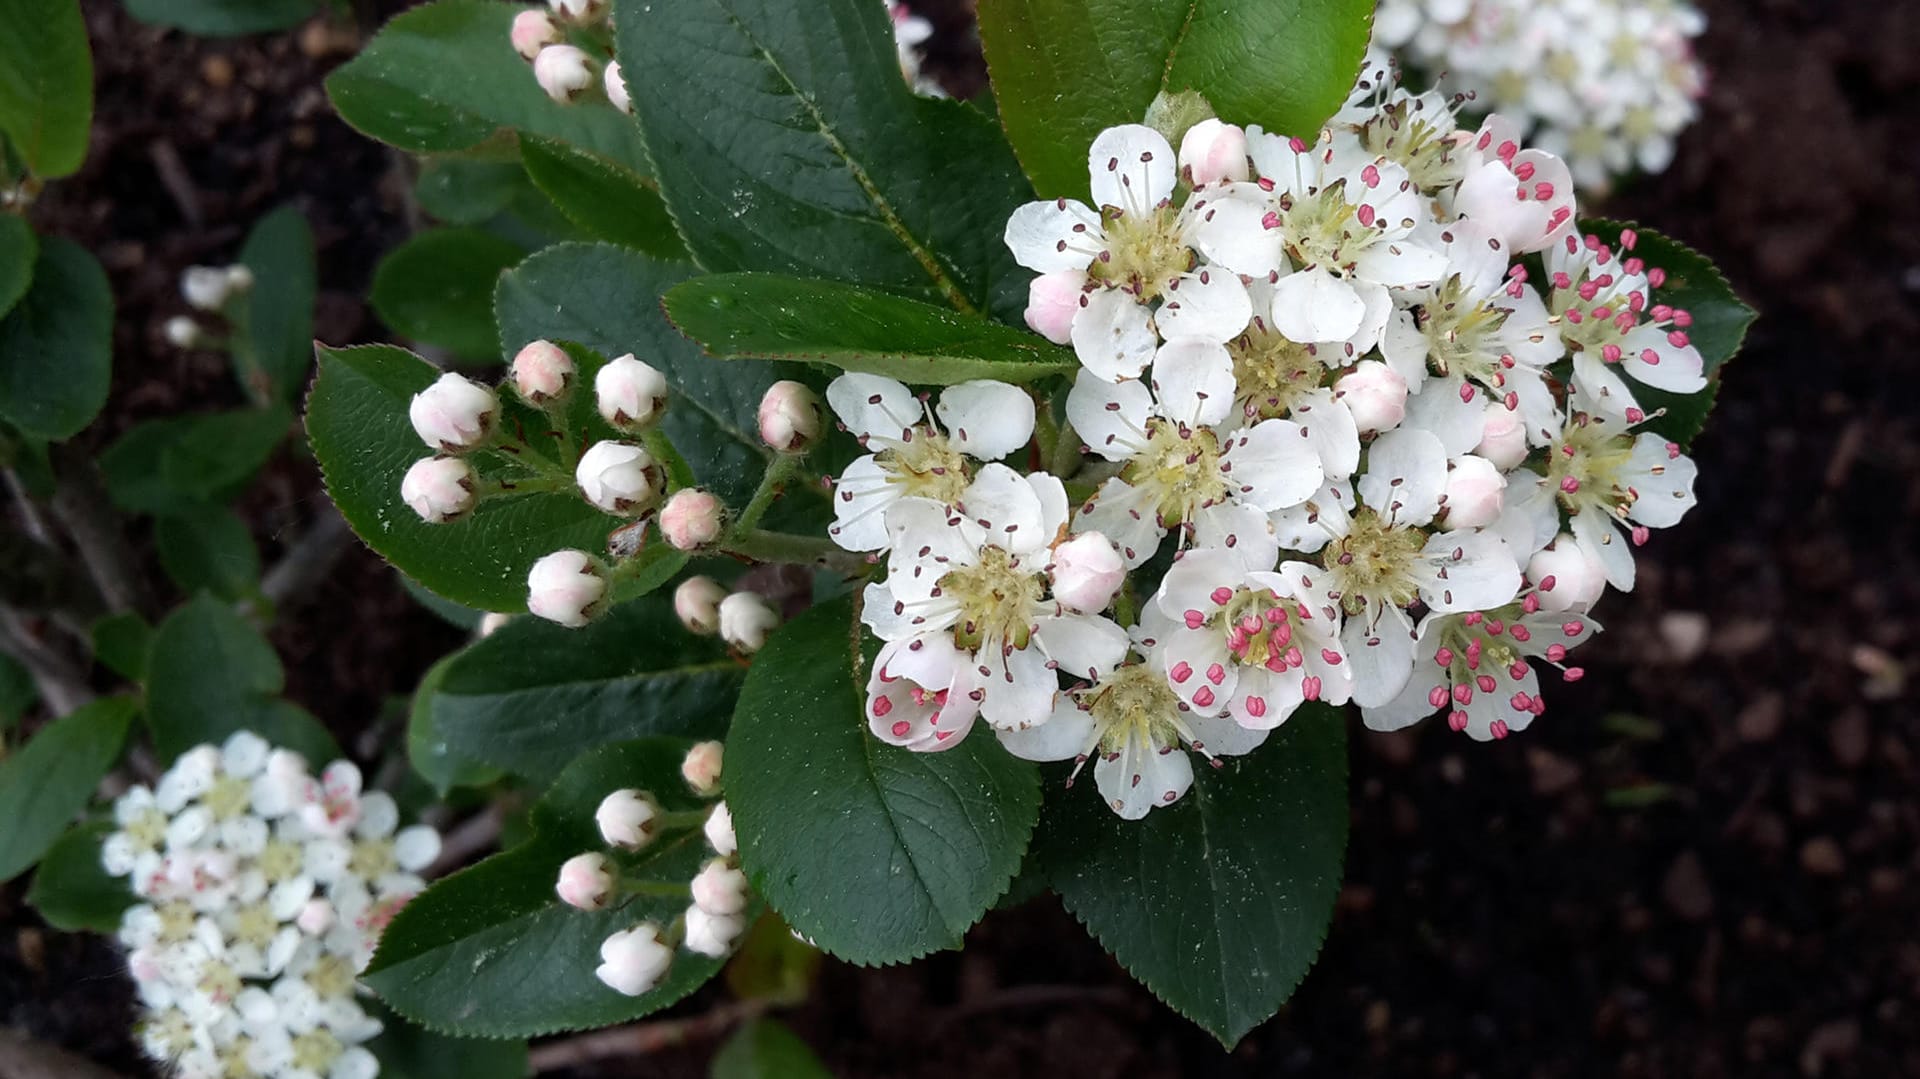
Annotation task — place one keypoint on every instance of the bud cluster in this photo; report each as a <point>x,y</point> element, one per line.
<point>210,289</point>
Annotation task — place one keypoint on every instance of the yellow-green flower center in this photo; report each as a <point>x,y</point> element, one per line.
<point>1463,335</point>
<point>926,467</point>
<point>316,1050</point>
<point>996,598</point>
<point>1270,373</point>
<point>1179,468</point>
<point>229,797</point>
<point>1144,252</point>
<point>1369,565</point>
<point>1134,702</point>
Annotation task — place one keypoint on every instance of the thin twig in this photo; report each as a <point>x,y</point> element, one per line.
<point>61,682</point>
<point>81,506</point>
<point>1023,997</point>
<point>30,518</point>
<point>309,558</point>
<point>466,839</point>
<point>639,1039</point>
<point>176,180</point>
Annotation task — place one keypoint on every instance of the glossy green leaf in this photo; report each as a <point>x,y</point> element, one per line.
<point>1220,901</point>
<point>767,316</point>
<point>218,453</point>
<point>120,643</point>
<point>427,748</point>
<point>467,189</point>
<point>357,422</point>
<point>491,952</point>
<point>18,249</point>
<point>444,77</point>
<point>45,785</point>
<point>208,548</point>
<point>533,695</point>
<point>275,338</point>
<point>784,139</point>
<point>72,890</point>
<point>932,838</point>
<point>210,674</point>
<point>767,1049</point>
<point>17,692</point>
<point>438,288</point>
<point>406,1051</point>
<point>56,345</point>
<point>610,202</point>
<point>224,18</point>
<point>1063,70</point>
<point>46,84</point>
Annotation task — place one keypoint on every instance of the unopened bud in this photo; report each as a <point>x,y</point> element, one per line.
<point>563,71</point>
<point>719,829</point>
<point>183,332</point>
<point>206,287</point>
<point>578,10</point>
<point>719,888</point>
<point>790,417</point>
<point>1504,439</point>
<point>454,413</point>
<point>533,30</point>
<point>1087,571</point>
<point>1565,577</point>
<point>630,394</point>
<point>633,961</point>
<point>239,278</point>
<point>692,519</point>
<point>1474,493</point>
<point>620,478</point>
<point>585,882</point>
<point>566,587</point>
<point>315,918</point>
<point>1213,150</point>
<point>712,934</point>
<point>490,623</point>
<point>745,620</point>
<point>616,85</point>
<point>627,818</point>
<point>1053,299</point>
<point>701,767</point>
<point>542,373</point>
<point>439,489</point>
<point>697,603</point>
<point>1375,394</point>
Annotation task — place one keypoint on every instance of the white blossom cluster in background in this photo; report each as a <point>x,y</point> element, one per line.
<point>910,33</point>
<point>209,289</point>
<point>1605,84</point>
<point>634,960</point>
<point>263,891</point>
<point>1397,467</point>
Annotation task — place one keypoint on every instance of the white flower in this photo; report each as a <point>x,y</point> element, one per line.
<point>633,961</point>
<point>1604,303</point>
<point>183,332</point>
<point>586,882</point>
<point>916,452</point>
<point>789,417</point>
<point>563,71</point>
<point>1616,485</point>
<point>746,618</point>
<point>701,767</point>
<point>206,287</point>
<point>542,371</point>
<point>532,31</point>
<point>630,394</point>
<point>616,87</point>
<point>333,805</point>
<point>1087,572</point>
<point>692,519</point>
<point>696,602</point>
<point>719,830</point>
<point>620,478</point>
<point>453,414</point>
<point>1522,197</point>
<point>719,888</point>
<point>566,587</point>
<point>1474,665</point>
<point>439,489</point>
<point>712,934</point>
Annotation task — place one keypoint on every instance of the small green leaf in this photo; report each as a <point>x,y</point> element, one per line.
<point>224,18</point>
<point>458,615</point>
<point>467,190</point>
<point>427,748</point>
<point>72,890</point>
<point>46,784</point>
<point>56,345</point>
<point>533,695</point>
<point>46,84</point>
<point>1063,70</point>
<point>18,249</point>
<point>1220,901</point>
<point>438,288</point>
<point>208,548</point>
<point>277,332</point>
<point>818,803</point>
<point>217,454</point>
<point>210,675</point>
<point>766,1049</point>
<point>444,77</point>
<point>120,643</point>
<point>17,692</point>
<point>766,316</point>
<point>609,201</point>
<point>522,961</point>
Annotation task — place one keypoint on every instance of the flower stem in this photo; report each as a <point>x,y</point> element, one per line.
<point>759,545</point>
<point>781,470</point>
<point>656,889</point>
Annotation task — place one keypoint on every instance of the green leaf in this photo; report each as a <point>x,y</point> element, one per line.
<point>120,643</point>
<point>17,692</point>
<point>46,784</point>
<point>217,454</point>
<point>438,288</point>
<point>1720,322</point>
<point>784,139</point>
<point>56,345</point>
<point>357,422</point>
<point>609,201</point>
<point>46,84</point>
<point>224,18</point>
<point>458,615</point>
<point>818,803</point>
<point>72,890</point>
<point>533,695</point>
<point>1063,70</point>
<point>1219,902</point>
<point>18,248</point>
<point>463,189</point>
<point>210,674</point>
<point>209,548</point>
<point>766,1049</point>
<point>766,316</point>
<point>427,748</point>
<point>444,77</point>
<point>277,332</point>
<point>407,1051</point>
<point>608,299</point>
<point>491,952</point>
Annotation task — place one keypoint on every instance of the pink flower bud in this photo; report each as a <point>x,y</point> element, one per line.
<point>790,417</point>
<point>1565,576</point>
<point>1053,299</point>
<point>616,85</point>
<point>1375,394</point>
<point>1212,151</point>
<point>1474,493</point>
<point>454,413</point>
<point>585,882</point>
<point>620,478</point>
<point>1504,439</point>
<point>566,587</point>
<point>315,918</point>
<point>439,489</point>
<point>630,394</point>
<point>701,768</point>
<point>563,71</point>
<point>712,934</point>
<point>719,829</point>
<point>533,30</point>
<point>697,603</point>
<point>692,519</point>
<point>633,961</point>
<point>1087,571</point>
<point>628,818</point>
<point>745,620</point>
<point>542,373</point>
<point>719,888</point>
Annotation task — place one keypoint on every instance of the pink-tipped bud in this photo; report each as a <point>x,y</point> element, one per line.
<point>453,414</point>
<point>633,961</point>
<point>697,603</point>
<point>578,10</point>
<point>719,830</point>
<point>566,587</point>
<point>701,767</point>
<point>315,918</point>
<point>533,30</point>
<point>1475,492</point>
<point>542,373</point>
<point>745,620</point>
<point>1212,151</point>
<point>1578,578</point>
<point>1053,299</point>
<point>585,882</point>
<point>719,888</point>
<point>564,72</point>
<point>790,417</point>
<point>630,394</point>
<point>1504,438</point>
<point>628,819</point>
<point>1375,394</point>
<point>692,519</point>
<point>1087,571</point>
<point>712,934</point>
<point>439,489</point>
<point>616,87</point>
<point>620,478</point>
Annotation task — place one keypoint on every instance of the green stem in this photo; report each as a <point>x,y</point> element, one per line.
<point>782,469</point>
<point>246,362</point>
<point>656,889</point>
<point>1064,461</point>
<point>540,483</point>
<point>763,546</point>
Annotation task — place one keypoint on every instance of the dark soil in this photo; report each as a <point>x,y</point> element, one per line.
<point>1702,862</point>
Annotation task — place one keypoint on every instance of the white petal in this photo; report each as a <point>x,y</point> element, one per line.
<point>1126,515</point>
<point>1193,382</point>
<point>1381,654</point>
<point>1599,536</point>
<point>1202,579</point>
<point>1209,303</point>
<point>1229,230</point>
<point>1001,502</point>
<point>1220,736</point>
<point>1065,735</point>
<point>1112,335</point>
<point>1142,776</point>
<point>415,848</point>
<point>1679,369</point>
<point>1663,478</point>
<point>1239,527</point>
<point>870,405</point>
<point>1405,347</point>
<point>1403,264</point>
<point>1020,688</point>
<point>1406,475</point>
<point>1111,417</point>
<point>1330,431</point>
<point>1272,465</point>
<point>1054,509</point>
<point>1325,514</point>
<point>1131,167</point>
<point>1439,409</point>
<point>1200,670</point>
<point>986,419</point>
<point>1468,571</point>
<point>1414,701</point>
<point>1046,237</point>
<point>379,816</point>
<point>1082,645</point>
<point>861,497</point>
<point>1313,305</point>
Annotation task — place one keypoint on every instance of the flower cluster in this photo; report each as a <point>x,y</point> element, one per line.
<point>263,891</point>
<point>634,960</point>
<point>210,289</point>
<point>1606,84</point>
<point>910,33</point>
<point>1398,467</point>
